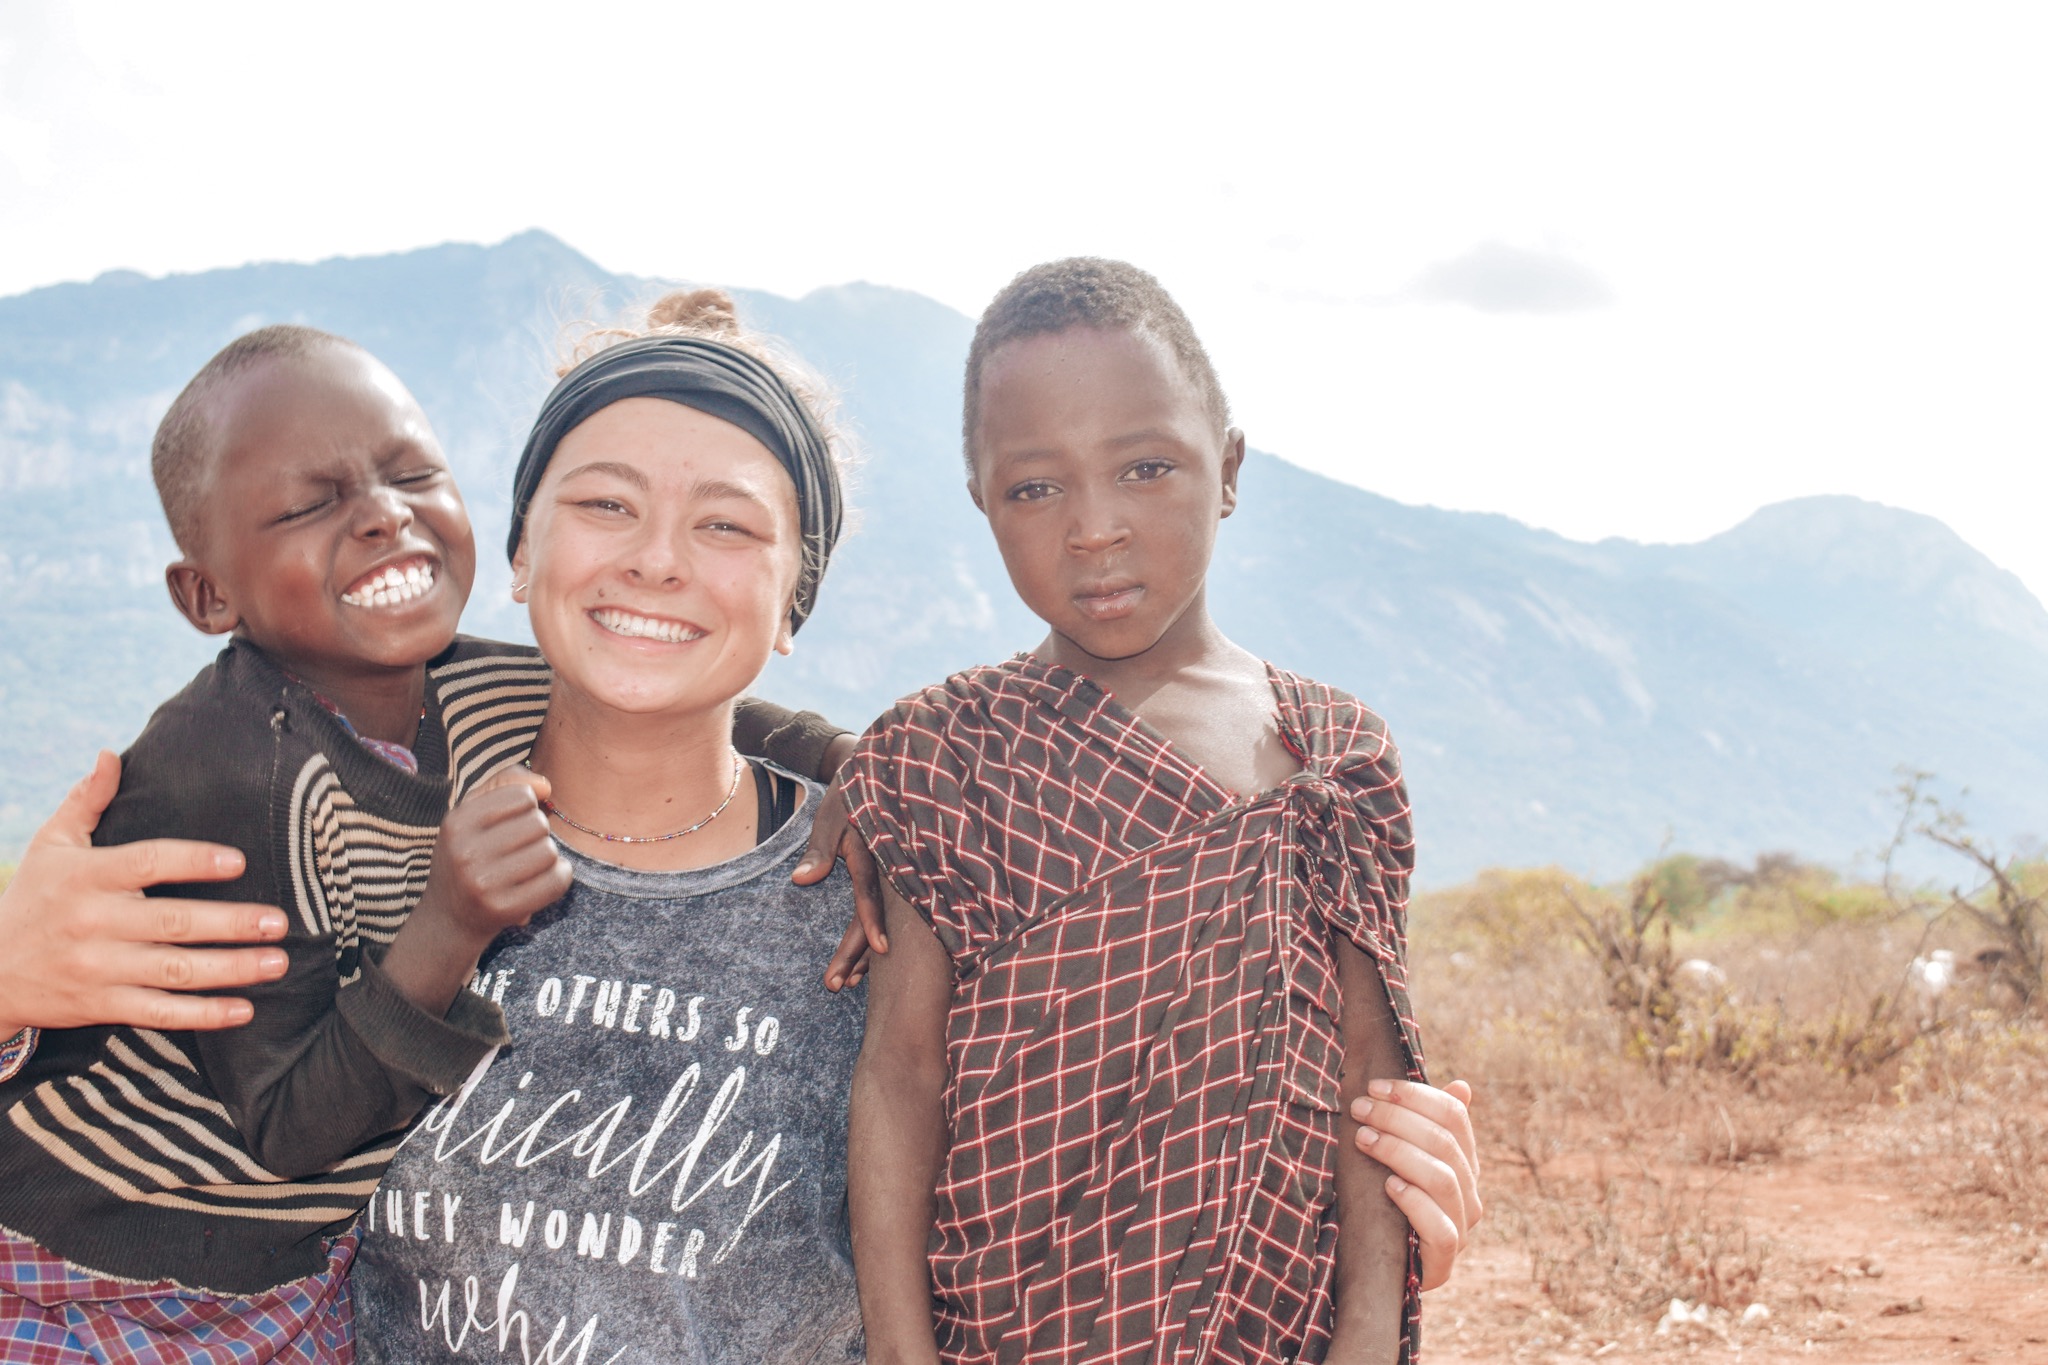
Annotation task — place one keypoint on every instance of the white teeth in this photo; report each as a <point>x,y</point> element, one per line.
<point>392,587</point>
<point>645,627</point>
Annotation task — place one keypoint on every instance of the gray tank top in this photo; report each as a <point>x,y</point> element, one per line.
<point>654,1168</point>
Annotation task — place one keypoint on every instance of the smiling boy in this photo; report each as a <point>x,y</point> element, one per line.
<point>187,1196</point>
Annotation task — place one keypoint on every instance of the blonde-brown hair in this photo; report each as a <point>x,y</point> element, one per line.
<point>712,314</point>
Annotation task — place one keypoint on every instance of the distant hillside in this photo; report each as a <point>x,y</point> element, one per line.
<point>1557,701</point>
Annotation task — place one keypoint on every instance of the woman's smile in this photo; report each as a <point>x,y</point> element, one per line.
<point>636,626</point>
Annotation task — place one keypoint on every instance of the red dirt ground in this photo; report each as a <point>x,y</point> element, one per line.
<point>1833,1204</point>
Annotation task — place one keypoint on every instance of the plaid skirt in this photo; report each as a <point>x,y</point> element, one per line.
<point>53,1313</point>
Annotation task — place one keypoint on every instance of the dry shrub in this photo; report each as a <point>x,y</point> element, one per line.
<point>1595,1051</point>
<point>2009,908</point>
<point>1799,980</point>
<point>1499,916</point>
<point>1615,1250</point>
<point>2005,1154</point>
<point>1976,1081</point>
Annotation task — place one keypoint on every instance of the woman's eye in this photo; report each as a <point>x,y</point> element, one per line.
<point>724,527</point>
<point>1034,490</point>
<point>417,476</point>
<point>602,505</point>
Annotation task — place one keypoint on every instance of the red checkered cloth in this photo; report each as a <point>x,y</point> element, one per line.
<point>52,1313</point>
<point>1143,1037</point>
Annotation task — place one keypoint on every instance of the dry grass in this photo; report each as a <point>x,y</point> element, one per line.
<point>1629,1090</point>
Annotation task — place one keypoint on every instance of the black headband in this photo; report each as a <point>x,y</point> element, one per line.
<point>713,378</point>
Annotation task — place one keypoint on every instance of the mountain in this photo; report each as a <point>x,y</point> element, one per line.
<point>1558,702</point>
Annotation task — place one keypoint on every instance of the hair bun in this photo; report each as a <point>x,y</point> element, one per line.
<point>698,310</point>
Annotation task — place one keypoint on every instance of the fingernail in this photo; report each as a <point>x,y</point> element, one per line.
<point>1368,1136</point>
<point>271,962</point>
<point>1361,1109</point>
<point>270,924</point>
<point>227,861</point>
<point>1395,1184</point>
<point>240,1011</point>
<point>835,981</point>
<point>1380,1089</point>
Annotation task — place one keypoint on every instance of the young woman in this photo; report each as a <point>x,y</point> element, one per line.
<point>652,1169</point>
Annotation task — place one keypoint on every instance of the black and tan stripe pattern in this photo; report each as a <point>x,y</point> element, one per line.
<point>491,707</point>
<point>137,1154</point>
<point>355,874</point>
<point>141,1125</point>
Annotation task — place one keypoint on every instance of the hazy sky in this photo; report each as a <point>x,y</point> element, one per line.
<point>1614,270</point>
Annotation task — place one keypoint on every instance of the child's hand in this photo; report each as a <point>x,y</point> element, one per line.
<point>495,867</point>
<point>495,864</point>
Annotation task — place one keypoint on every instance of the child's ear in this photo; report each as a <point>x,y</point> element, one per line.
<point>199,599</point>
<point>1233,461</point>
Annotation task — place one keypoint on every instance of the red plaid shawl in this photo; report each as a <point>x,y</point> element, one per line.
<point>52,1313</point>
<point>1143,1037</point>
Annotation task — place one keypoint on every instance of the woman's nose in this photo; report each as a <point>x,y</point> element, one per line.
<point>658,557</point>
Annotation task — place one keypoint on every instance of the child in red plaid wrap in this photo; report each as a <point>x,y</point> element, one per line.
<point>1146,897</point>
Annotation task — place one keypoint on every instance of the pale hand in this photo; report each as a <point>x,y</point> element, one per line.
<point>80,944</point>
<point>1424,1136</point>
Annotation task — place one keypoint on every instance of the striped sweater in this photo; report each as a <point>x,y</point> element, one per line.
<point>221,1161</point>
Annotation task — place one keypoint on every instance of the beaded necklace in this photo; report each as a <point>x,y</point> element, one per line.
<point>738,766</point>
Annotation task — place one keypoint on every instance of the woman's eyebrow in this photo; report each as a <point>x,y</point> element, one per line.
<point>623,472</point>
<point>723,488</point>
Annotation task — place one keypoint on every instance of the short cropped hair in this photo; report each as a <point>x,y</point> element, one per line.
<point>1087,291</point>
<point>179,454</point>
